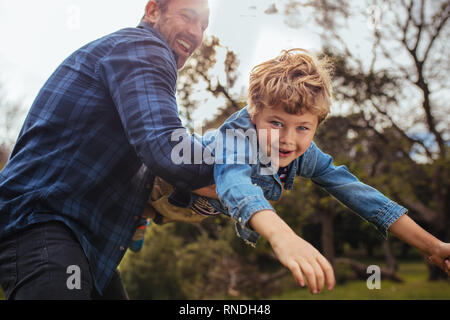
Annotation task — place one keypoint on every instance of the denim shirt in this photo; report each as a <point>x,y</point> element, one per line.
<point>245,189</point>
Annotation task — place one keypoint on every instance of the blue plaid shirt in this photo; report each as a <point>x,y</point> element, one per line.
<point>97,133</point>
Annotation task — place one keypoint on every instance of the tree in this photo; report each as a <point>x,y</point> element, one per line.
<point>11,118</point>
<point>396,76</point>
<point>198,76</point>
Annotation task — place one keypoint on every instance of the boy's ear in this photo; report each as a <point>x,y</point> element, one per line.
<point>152,12</point>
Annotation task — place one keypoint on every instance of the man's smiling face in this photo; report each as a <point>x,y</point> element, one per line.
<point>182,24</point>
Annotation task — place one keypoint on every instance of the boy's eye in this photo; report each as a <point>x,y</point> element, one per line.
<point>276,123</point>
<point>302,128</point>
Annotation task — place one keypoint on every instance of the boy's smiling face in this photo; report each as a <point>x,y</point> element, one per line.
<point>295,133</point>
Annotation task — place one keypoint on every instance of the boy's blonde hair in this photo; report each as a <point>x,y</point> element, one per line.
<point>296,80</point>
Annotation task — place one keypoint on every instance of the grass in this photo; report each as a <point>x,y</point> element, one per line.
<point>414,287</point>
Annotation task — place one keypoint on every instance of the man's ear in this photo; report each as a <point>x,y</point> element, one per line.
<point>253,118</point>
<point>152,12</point>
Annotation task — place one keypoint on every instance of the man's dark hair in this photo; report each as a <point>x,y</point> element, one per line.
<point>162,4</point>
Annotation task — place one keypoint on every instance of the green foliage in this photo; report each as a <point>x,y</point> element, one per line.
<point>200,264</point>
<point>342,273</point>
<point>204,261</point>
<point>152,273</point>
<point>415,286</point>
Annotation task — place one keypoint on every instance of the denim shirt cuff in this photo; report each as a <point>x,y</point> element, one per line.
<point>252,205</point>
<point>387,215</point>
<point>248,235</point>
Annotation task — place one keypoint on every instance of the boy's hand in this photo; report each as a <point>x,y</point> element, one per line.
<point>441,257</point>
<point>438,252</point>
<point>299,256</point>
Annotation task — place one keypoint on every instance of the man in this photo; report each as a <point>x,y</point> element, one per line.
<point>80,174</point>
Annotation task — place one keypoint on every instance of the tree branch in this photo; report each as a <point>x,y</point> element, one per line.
<point>422,84</point>
<point>419,26</point>
<point>218,89</point>
<point>437,31</point>
<point>401,132</point>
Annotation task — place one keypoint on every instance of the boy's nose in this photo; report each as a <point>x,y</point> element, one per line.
<point>287,137</point>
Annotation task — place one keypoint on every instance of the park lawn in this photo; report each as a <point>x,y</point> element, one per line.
<point>414,287</point>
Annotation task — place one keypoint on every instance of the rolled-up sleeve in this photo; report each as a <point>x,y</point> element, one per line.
<point>232,174</point>
<point>363,199</point>
<point>238,195</point>
<point>141,79</point>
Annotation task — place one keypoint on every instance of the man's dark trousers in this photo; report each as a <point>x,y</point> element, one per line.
<point>44,260</point>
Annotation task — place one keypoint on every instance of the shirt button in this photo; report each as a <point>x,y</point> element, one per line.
<point>121,248</point>
<point>240,219</point>
<point>148,186</point>
<point>136,218</point>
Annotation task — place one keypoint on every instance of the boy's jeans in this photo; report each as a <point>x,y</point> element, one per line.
<point>43,261</point>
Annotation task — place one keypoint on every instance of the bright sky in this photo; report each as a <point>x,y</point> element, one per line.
<point>38,35</point>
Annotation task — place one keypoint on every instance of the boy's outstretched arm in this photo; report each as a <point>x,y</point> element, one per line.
<point>437,251</point>
<point>296,254</point>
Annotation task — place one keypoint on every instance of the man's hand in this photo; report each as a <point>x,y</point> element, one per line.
<point>299,256</point>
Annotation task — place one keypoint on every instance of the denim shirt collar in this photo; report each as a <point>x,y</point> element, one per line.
<point>147,26</point>
<point>292,169</point>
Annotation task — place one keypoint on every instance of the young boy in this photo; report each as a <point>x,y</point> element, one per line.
<point>288,98</point>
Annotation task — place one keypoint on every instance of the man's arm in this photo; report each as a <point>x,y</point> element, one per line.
<point>438,252</point>
<point>209,191</point>
<point>141,77</point>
